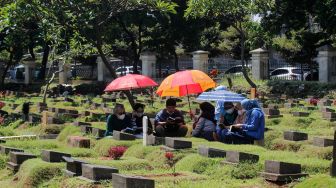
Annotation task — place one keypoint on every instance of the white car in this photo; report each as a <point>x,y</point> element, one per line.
<point>288,73</point>
<point>121,71</point>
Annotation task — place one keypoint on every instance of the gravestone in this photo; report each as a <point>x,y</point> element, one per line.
<point>333,163</point>
<point>154,140</point>
<point>211,152</point>
<point>323,142</point>
<point>176,143</point>
<point>53,156</point>
<point>6,150</point>
<point>73,166</point>
<point>325,102</point>
<point>52,109</point>
<point>272,113</point>
<point>117,135</point>
<point>2,141</point>
<point>271,106</point>
<point>295,136</point>
<point>327,109</point>
<point>95,173</point>
<point>78,141</point>
<point>48,136</point>
<point>98,133</point>
<point>124,181</point>
<point>282,171</point>
<point>85,129</point>
<point>309,108</point>
<point>300,114</point>
<point>79,123</point>
<point>290,105</point>
<point>17,158</point>
<point>330,116</point>
<point>235,157</point>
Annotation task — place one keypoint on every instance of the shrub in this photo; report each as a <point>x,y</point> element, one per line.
<point>246,171</point>
<point>117,152</point>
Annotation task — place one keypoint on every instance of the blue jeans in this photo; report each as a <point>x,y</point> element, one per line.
<point>237,137</point>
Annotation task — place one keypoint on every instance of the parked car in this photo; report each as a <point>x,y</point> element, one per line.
<point>288,73</point>
<point>120,71</point>
<point>236,70</point>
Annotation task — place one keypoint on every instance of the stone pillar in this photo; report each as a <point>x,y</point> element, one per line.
<point>63,76</point>
<point>326,59</point>
<point>29,71</point>
<point>200,60</point>
<point>148,64</point>
<point>260,59</point>
<point>102,70</point>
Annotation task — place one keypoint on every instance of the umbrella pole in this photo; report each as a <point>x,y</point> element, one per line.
<point>189,102</point>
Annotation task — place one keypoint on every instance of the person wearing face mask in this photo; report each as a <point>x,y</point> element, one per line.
<point>227,118</point>
<point>118,120</point>
<point>241,114</point>
<point>137,116</point>
<point>254,126</point>
<point>170,122</point>
<point>205,125</point>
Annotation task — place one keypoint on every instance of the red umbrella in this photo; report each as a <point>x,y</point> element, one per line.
<point>130,81</point>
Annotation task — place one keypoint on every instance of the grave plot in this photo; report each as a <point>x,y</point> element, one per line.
<point>98,133</point>
<point>236,157</point>
<point>300,114</point>
<point>330,116</point>
<point>6,150</point>
<point>282,172</point>
<point>154,140</point>
<point>322,142</point>
<point>211,152</point>
<point>86,129</point>
<point>272,113</point>
<point>78,141</point>
<point>117,135</point>
<point>96,173</point>
<point>73,166</point>
<point>53,156</point>
<point>124,181</point>
<point>295,136</point>
<point>17,158</point>
<point>172,144</point>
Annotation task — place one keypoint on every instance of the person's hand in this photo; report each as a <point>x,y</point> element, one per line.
<point>239,126</point>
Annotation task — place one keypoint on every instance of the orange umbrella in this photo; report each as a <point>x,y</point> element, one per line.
<point>184,83</point>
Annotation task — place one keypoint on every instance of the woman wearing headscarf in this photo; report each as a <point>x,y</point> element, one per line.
<point>227,118</point>
<point>254,126</point>
<point>205,125</point>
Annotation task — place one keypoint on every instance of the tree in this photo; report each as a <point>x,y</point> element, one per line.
<point>95,20</point>
<point>234,13</point>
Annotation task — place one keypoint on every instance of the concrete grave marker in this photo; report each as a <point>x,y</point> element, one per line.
<point>300,114</point>
<point>17,158</point>
<point>154,140</point>
<point>323,142</point>
<point>235,157</point>
<point>73,166</point>
<point>78,141</point>
<point>98,133</point>
<point>177,143</point>
<point>6,150</point>
<point>95,173</point>
<point>85,129</point>
<point>79,123</point>
<point>281,171</point>
<point>124,181</point>
<point>211,152</point>
<point>53,156</point>
<point>117,135</point>
<point>295,136</point>
<point>330,116</point>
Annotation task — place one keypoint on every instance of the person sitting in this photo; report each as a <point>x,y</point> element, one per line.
<point>170,122</point>
<point>205,126</point>
<point>118,121</point>
<point>228,117</point>
<point>137,117</point>
<point>254,126</point>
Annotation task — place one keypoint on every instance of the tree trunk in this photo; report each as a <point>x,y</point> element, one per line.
<point>31,51</point>
<point>114,75</point>
<point>176,59</point>
<point>46,51</point>
<point>242,56</point>
<point>3,77</point>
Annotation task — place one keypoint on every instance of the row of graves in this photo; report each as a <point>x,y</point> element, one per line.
<point>275,171</point>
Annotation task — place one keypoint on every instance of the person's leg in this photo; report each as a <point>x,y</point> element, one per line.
<point>160,131</point>
<point>182,131</point>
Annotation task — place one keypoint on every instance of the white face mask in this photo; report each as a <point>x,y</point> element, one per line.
<point>121,117</point>
<point>229,111</point>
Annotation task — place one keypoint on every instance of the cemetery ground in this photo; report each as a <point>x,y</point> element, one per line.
<point>192,169</point>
